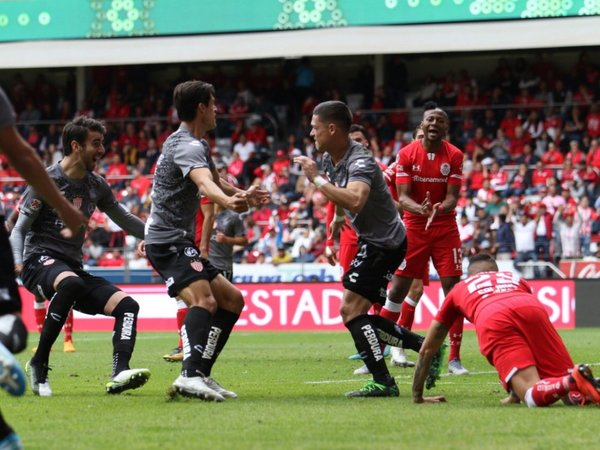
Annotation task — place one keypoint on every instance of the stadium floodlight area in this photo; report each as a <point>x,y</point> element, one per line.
<point>62,33</point>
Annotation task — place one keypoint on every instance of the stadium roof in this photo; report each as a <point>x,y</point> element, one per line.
<point>407,39</point>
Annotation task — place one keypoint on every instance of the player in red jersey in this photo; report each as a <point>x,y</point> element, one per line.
<point>204,225</point>
<point>514,334</point>
<point>429,177</point>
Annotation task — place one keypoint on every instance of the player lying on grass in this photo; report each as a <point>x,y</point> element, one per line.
<point>514,334</point>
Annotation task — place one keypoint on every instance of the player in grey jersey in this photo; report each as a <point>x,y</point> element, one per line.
<point>185,169</point>
<point>228,231</point>
<point>52,265</point>
<point>359,191</point>
<point>13,334</point>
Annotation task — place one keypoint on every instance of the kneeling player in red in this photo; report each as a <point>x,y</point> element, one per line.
<point>514,334</point>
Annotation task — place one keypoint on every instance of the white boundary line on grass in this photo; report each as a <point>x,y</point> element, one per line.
<point>397,377</point>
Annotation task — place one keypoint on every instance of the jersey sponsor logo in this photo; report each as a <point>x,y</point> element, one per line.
<point>445,169</point>
<point>429,179</point>
<point>35,204</point>
<point>77,202</point>
<point>416,168</point>
<point>197,266</point>
<point>190,252</point>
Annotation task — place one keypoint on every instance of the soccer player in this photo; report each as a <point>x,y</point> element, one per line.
<point>13,334</point>
<point>429,171</point>
<point>358,189</point>
<point>514,334</point>
<point>205,218</point>
<point>184,169</point>
<point>39,303</point>
<point>52,265</point>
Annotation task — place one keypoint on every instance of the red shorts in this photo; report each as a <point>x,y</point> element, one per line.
<point>516,333</point>
<point>441,244</point>
<point>347,254</point>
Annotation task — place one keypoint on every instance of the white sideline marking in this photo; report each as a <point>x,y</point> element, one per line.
<point>398,377</point>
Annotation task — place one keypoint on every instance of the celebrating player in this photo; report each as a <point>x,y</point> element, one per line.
<point>514,334</point>
<point>184,168</point>
<point>13,334</point>
<point>358,189</point>
<point>52,265</point>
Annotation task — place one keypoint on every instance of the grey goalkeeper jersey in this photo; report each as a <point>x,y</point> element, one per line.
<point>378,222</point>
<point>39,224</point>
<point>175,197</point>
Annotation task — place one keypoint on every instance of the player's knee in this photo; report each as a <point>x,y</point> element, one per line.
<point>67,291</point>
<point>13,333</point>
<point>416,293</point>
<point>127,305</point>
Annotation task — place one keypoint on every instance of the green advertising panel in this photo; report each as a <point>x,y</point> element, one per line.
<point>76,19</point>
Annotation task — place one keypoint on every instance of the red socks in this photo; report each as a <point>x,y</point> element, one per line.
<point>68,327</point>
<point>455,337</point>
<point>40,315</point>
<point>549,390</point>
<point>407,314</point>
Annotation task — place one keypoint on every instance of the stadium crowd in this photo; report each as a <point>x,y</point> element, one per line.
<point>529,130</point>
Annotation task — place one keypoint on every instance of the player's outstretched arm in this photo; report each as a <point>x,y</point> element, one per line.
<point>203,179</point>
<point>24,159</point>
<point>433,341</point>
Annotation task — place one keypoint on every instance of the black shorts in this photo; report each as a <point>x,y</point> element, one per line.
<point>371,270</point>
<point>40,270</point>
<point>179,264</point>
<point>10,300</point>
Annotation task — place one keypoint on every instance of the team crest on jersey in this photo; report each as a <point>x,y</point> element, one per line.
<point>77,202</point>
<point>35,204</point>
<point>197,266</point>
<point>190,252</point>
<point>48,262</point>
<point>445,169</point>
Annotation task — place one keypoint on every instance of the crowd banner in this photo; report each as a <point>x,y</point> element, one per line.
<point>580,268</point>
<point>310,306</point>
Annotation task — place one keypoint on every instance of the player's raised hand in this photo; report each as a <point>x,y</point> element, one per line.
<point>308,166</point>
<point>426,205</point>
<point>257,196</point>
<point>238,203</point>
<point>432,215</point>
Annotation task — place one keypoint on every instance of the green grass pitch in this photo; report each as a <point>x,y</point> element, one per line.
<point>291,388</point>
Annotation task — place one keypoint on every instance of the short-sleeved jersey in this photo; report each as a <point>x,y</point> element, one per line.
<point>429,172</point>
<point>7,113</point>
<point>470,296</point>
<point>220,254</point>
<point>175,197</point>
<point>85,194</point>
<point>378,222</point>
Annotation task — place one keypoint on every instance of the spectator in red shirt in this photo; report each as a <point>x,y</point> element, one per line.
<point>236,166</point>
<point>498,179</point>
<point>281,160</point>
<point>509,123</point>
<point>552,155</point>
<point>592,121</point>
<point>540,177</point>
<point>518,142</point>
<point>593,155</point>
<point>115,171</point>
<point>140,183</point>
<point>553,123</point>
<point>476,178</point>
<point>520,181</point>
<point>575,155</point>
<point>567,175</point>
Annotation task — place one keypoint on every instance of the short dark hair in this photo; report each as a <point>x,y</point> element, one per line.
<point>432,106</point>
<point>416,131</point>
<point>357,128</point>
<point>187,96</point>
<point>484,258</point>
<point>78,129</point>
<point>336,112</point>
